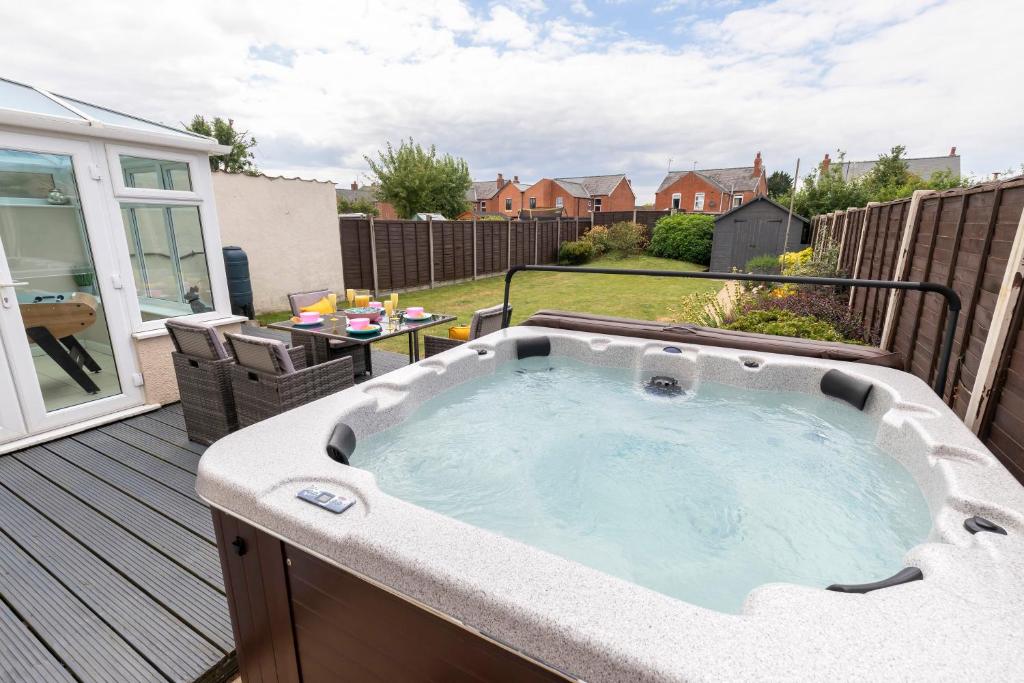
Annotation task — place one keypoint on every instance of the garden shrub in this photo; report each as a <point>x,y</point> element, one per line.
<point>823,306</point>
<point>598,238</point>
<point>764,265</point>
<point>575,253</point>
<point>793,259</point>
<point>491,217</point>
<point>626,239</point>
<point>785,324</point>
<point>684,236</point>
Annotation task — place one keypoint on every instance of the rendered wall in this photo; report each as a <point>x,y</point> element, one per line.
<point>287,227</point>
<point>154,356</point>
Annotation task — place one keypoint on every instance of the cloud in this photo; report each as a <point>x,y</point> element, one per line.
<point>580,7</point>
<point>537,94</point>
<point>505,27</point>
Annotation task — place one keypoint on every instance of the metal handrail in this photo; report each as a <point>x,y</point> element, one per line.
<point>952,299</point>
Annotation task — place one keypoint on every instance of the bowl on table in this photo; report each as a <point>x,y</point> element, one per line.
<point>370,314</point>
<point>359,323</point>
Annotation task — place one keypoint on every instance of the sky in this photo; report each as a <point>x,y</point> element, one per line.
<point>548,88</point>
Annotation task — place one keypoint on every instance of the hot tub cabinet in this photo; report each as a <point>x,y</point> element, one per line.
<point>297,617</point>
<point>388,590</point>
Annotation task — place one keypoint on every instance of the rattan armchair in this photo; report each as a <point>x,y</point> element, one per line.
<point>319,348</point>
<point>202,368</point>
<point>267,378</point>
<point>484,321</point>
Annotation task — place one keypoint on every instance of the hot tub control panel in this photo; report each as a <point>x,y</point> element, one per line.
<point>326,500</point>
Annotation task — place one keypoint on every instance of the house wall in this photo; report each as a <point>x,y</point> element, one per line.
<point>750,231</point>
<point>289,230</point>
<point>496,204</point>
<point>154,357</point>
<point>622,198</point>
<point>691,183</point>
<point>385,210</point>
<point>547,191</point>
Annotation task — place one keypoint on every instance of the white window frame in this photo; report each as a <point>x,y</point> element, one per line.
<point>559,202</point>
<point>597,204</point>
<point>737,201</point>
<point>201,196</point>
<point>698,201</point>
<point>677,200</point>
<point>483,206</point>
<point>121,190</point>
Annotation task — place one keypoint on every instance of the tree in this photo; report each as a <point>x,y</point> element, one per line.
<point>358,206</point>
<point>417,180</point>
<point>779,184</point>
<point>828,191</point>
<point>240,158</point>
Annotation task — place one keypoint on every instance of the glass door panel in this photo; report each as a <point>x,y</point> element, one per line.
<point>50,260</point>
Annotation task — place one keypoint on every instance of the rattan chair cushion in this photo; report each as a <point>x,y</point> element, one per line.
<point>265,355</point>
<point>196,339</point>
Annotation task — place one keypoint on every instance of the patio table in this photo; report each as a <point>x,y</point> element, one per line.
<point>333,327</point>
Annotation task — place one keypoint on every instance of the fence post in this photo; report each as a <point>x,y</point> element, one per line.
<point>508,255</point>
<point>474,247</point>
<point>860,246</point>
<point>536,239</point>
<point>903,265</point>
<point>1008,299</point>
<point>373,254</point>
<point>430,241</point>
<point>634,214</point>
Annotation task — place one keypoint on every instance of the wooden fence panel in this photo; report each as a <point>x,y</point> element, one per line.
<point>1002,429</point>
<point>355,253</point>
<point>403,249</point>
<point>492,246</point>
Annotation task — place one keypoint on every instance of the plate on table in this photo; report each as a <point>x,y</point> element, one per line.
<point>425,316</point>
<point>369,329</point>
<point>296,322</point>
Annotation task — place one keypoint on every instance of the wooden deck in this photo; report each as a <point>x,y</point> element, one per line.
<point>108,567</point>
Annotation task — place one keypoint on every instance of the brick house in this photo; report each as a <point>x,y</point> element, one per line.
<point>712,190</point>
<point>355,193</point>
<point>578,196</point>
<point>495,197</point>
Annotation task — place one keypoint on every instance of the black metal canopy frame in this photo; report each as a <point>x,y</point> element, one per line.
<point>952,299</point>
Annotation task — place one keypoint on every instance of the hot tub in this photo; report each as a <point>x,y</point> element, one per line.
<point>609,508</point>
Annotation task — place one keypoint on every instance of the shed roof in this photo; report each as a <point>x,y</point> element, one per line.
<point>31,107</point>
<point>755,200</point>
<point>738,178</point>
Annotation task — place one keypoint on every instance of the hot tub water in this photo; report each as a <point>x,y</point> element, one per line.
<point>702,496</point>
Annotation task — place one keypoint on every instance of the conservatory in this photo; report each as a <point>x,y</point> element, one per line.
<point>107,228</point>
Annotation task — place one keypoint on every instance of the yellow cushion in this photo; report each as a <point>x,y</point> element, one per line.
<point>323,306</point>
<point>459,332</point>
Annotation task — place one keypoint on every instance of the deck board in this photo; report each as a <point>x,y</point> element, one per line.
<point>108,564</point>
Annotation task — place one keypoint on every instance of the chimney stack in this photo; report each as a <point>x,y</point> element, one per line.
<point>757,166</point>
<point>355,185</point>
<point>515,179</point>
<point>952,151</point>
<point>825,163</point>
<point>501,181</point>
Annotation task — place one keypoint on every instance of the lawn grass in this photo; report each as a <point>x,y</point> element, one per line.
<point>629,297</point>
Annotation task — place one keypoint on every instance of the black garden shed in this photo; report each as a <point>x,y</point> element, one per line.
<point>754,229</point>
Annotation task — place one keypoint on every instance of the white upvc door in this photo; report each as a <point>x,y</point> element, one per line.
<point>65,333</point>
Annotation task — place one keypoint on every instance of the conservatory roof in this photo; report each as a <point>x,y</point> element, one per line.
<point>30,107</point>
